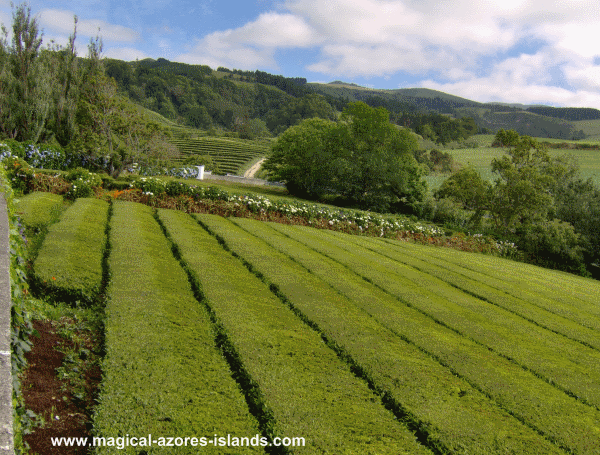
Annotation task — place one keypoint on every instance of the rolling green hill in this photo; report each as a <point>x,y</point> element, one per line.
<point>198,96</point>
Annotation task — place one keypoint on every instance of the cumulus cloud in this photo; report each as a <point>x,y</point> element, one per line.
<point>254,44</point>
<point>62,22</point>
<point>125,53</point>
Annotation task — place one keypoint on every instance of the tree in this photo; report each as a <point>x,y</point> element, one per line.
<point>25,91</point>
<point>467,188</point>
<point>381,171</point>
<point>362,158</point>
<point>522,191</point>
<point>527,200</point>
<point>112,128</point>
<point>308,158</point>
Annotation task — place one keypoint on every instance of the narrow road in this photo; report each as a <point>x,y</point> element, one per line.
<point>250,173</point>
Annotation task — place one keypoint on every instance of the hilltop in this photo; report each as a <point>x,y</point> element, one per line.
<point>255,103</point>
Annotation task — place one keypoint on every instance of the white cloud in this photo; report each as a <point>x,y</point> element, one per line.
<point>125,53</point>
<point>5,19</point>
<point>252,45</point>
<point>62,21</point>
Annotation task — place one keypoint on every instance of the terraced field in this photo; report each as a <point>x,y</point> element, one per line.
<point>358,345</point>
<point>233,156</point>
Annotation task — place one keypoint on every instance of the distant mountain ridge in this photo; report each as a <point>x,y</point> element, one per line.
<point>246,102</point>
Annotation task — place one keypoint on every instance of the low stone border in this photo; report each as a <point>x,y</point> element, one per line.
<point>6,407</point>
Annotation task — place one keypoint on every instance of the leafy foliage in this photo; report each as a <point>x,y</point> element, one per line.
<point>532,202</point>
<point>362,158</point>
<point>21,326</point>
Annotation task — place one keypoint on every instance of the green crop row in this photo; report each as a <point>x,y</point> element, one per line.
<point>69,264</point>
<point>163,374</point>
<point>557,301</point>
<point>557,416</point>
<point>306,389</point>
<point>552,319</point>
<point>560,361</point>
<point>579,293</point>
<point>454,416</point>
<point>39,209</point>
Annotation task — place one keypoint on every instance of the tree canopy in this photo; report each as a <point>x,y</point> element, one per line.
<point>362,158</point>
<point>535,199</point>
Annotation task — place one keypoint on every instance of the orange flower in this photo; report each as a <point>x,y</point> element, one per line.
<point>54,278</point>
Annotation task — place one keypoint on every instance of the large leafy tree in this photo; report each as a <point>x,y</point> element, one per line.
<point>108,125</point>
<point>25,91</point>
<point>362,158</point>
<point>308,157</point>
<point>381,172</point>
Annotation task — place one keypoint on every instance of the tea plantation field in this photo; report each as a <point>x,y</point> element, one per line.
<point>359,345</point>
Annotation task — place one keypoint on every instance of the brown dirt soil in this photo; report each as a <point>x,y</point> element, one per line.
<point>45,395</point>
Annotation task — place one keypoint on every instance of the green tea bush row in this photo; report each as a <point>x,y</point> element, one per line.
<point>552,320</point>
<point>578,292</point>
<point>549,411</point>
<point>39,209</point>
<point>456,416</point>
<point>69,264</point>
<point>163,374</point>
<point>305,387</point>
<point>567,364</point>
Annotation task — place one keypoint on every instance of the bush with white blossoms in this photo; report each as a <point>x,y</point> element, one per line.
<point>83,183</point>
<point>150,185</point>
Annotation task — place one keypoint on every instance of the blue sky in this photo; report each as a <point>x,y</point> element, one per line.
<point>516,51</point>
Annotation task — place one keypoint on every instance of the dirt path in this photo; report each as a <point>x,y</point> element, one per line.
<point>250,173</point>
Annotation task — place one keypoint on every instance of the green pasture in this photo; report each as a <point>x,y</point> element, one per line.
<point>481,158</point>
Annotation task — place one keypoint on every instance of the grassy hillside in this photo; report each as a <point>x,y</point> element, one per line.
<point>482,156</point>
<point>356,344</point>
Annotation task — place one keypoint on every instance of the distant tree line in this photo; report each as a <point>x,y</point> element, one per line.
<point>439,128</point>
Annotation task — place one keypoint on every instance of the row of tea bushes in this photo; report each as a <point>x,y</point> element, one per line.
<point>163,374</point>
<point>452,414</point>
<point>302,384</point>
<point>549,411</point>
<point>69,264</point>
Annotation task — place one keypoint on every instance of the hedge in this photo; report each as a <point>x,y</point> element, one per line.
<point>163,374</point>
<point>559,417</point>
<point>69,264</point>
<point>301,383</point>
<point>448,411</point>
<point>39,209</point>
<point>564,363</point>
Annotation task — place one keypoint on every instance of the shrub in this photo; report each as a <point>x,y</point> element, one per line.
<point>46,156</point>
<point>19,173</point>
<point>150,185</point>
<point>69,265</point>
<point>16,147</point>
<point>83,182</point>
<point>553,244</point>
